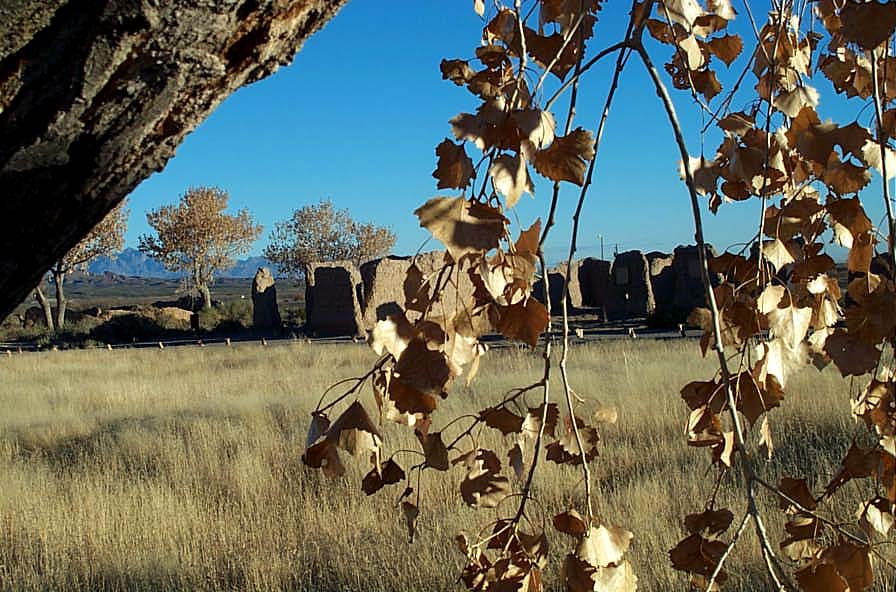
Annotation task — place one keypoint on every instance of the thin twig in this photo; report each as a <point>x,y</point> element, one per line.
<point>728,549</point>
<point>614,84</point>
<point>585,67</point>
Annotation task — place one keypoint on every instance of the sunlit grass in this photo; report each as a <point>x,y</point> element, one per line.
<point>180,469</point>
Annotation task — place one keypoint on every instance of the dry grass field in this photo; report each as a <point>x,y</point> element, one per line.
<point>179,469</point>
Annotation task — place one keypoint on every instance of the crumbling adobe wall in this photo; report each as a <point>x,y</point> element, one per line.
<point>95,96</point>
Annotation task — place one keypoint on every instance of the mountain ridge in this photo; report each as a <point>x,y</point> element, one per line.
<point>134,263</point>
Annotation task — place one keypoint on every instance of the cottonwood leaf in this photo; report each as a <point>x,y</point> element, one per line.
<point>570,522</point>
<point>871,157</point>
<point>867,23</point>
<point>454,169</point>
<point>766,445</point>
<point>602,546</point>
<point>850,217</point>
<point>723,452</point>
<point>706,83</point>
<point>707,24</point>
<point>532,421</point>
<point>722,8</point>
<point>457,71</point>
<point>424,369</point>
<point>853,357</point>
<point>705,174</point>
<point>464,227</point>
<point>392,337</point>
<point>790,324</point>
<point>877,514</point>
<point>434,450</point>
<point>318,427</point>
<point>536,126</point>
<point>409,400</point>
<point>527,243</point>
<point>853,564</point>
<point>604,414</point>
<point>697,555</point>
<point>792,102</point>
<point>845,177</point>
<point>410,512</point>
<point>390,473</point>
<point>510,176</point>
<point>615,578</point>
<point>566,449</point>
<point>858,463</point>
<point>821,577</point>
<point>726,48</point>
<point>502,419</point>
<point>702,393</point>
<point>692,52</point>
<point>524,321</point>
<point>737,123</point>
<point>515,459</point>
<point>684,12</point>
<point>545,48</point>
<point>778,360</point>
<point>662,31</point>
<point>710,523</point>
<point>704,428</point>
<point>777,253</point>
<point>324,455</point>
<point>565,159</point>
<point>798,491</point>
<point>354,432</point>
<point>770,298</point>
<point>483,486</point>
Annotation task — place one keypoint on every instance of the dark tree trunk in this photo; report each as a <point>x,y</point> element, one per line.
<point>59,281</point>
<point>45,306</point>
<point>95,96</point>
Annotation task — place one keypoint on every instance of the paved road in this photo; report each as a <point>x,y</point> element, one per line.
<point>586,334</point>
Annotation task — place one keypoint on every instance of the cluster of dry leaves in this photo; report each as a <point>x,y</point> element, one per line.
<point>771,311</point>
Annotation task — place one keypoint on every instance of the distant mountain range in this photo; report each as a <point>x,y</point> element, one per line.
<point>132,262</point>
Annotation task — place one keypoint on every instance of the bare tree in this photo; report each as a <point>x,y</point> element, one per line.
<point>106,239</point>
<point>320,232</point>
<point>196,236</point>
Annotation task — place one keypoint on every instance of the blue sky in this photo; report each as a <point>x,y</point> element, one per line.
<point>356,118</point>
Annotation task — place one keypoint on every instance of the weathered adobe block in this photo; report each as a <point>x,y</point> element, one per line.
<point>630,293</point>
<point>333,296</point>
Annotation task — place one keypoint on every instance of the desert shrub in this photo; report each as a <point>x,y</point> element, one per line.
<point>235,315</point>
<point>128,328</point>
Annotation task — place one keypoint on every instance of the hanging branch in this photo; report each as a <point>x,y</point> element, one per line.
<point>614,84</point>
<point>882,139</point>
<point>753,507</point>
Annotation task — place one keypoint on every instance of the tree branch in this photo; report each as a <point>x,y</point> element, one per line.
<point>712,305</point>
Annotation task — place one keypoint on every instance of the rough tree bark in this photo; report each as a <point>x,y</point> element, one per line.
<point>95,96</point>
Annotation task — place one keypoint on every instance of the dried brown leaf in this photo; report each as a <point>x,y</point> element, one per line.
<point>570,522</point>
<point>464,227</point>
<point>565,159</point>
<point>454,169</point>
<point>502,419</point>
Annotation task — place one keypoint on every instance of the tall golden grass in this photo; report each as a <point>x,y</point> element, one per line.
<point>179,469</point>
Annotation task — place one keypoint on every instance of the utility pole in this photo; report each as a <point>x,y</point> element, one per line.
<point>601,237</point>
